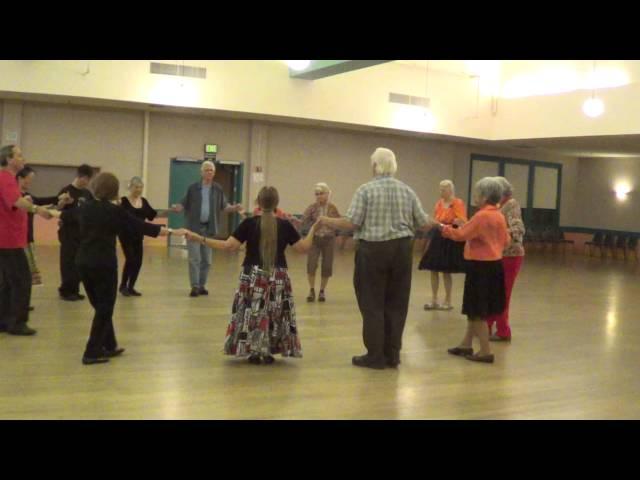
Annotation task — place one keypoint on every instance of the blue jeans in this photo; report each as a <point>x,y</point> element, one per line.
<point>199,261</point>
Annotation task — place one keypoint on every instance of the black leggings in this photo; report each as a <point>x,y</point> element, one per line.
<point>133,251</point>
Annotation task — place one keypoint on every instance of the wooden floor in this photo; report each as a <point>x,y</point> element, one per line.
<point>575,352</point>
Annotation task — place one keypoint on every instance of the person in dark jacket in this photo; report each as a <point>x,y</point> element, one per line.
<point>99,221</point>
<point>132,240</point>
<point>25,179</point>
<point>202,205</point>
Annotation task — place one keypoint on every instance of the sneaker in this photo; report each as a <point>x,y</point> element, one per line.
<point>195,291</point>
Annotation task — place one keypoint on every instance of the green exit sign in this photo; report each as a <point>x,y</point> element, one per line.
<point>210,148</point>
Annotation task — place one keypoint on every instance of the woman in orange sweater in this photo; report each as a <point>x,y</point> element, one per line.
<point>486,236</point>
<point>442,254</point>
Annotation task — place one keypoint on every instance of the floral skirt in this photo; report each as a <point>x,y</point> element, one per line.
<point>263,316</point>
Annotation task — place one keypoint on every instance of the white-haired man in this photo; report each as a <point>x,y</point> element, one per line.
<point>385,214</point>
<point>201,205</point>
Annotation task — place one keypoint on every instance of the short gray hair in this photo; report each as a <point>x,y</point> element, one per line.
<point>135,181</point>
<point>207,163</point>
<point>490,189</point>
<point>448,183</point>
<point>322,187</point>
<point>507,189</point>
<point>384,162</point>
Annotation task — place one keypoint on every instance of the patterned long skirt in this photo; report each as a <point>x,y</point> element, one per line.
<point>263,316</point>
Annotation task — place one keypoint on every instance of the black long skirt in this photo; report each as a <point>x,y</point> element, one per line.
<point>484,293</point>
<point>443,255</point>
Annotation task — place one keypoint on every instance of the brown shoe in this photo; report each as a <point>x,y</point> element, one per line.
<point>480,358</point>
<point>498,338</point>
<point>461,351</point>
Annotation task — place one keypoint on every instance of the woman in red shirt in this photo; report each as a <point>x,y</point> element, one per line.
<point>486,236</point>
<point>444,255</point>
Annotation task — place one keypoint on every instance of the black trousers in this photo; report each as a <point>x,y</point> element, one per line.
<point>15,288</point>
<point>101,285</point>
<point>133,251</point>
<point>69,245</point>
<point>382,281</point>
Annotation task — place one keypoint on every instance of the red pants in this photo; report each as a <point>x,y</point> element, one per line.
<point>511,267</point>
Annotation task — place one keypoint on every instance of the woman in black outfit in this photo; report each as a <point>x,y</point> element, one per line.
<point>131,239</point>
<point>100,220</point>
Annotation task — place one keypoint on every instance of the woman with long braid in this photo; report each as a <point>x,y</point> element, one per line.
<point>263,318</point>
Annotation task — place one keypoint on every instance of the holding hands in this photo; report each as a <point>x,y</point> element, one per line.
<point>176,208</point>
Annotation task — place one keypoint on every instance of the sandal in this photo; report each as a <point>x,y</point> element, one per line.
<point>431,306</point>
<point>321,297</point>
<point>312,296</point>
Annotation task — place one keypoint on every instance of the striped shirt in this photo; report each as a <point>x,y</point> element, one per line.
<point>385,209</point>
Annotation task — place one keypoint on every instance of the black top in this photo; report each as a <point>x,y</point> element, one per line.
<point>99,222</point>
<point>249,231</point>
<point>146,212</point>
<point>79,195</point>
<point>37,201</point>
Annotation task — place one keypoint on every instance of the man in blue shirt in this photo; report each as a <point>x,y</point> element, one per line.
<point>201,205</point>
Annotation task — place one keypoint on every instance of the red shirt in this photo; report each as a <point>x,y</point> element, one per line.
<point>13,221</point>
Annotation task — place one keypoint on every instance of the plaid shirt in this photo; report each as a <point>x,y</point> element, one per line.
<point>384,209</point>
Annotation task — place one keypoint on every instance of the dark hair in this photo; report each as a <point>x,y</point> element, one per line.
<point>106,186</point>
<point>268,199</point>
<point>25,172</point>
<point>85,170</point>
<point>6,153</point>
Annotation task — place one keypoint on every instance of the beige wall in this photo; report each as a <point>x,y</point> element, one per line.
<point>598,205</point>
<point>174,136</point>
<point>111,140</point>
<point>295,158</point>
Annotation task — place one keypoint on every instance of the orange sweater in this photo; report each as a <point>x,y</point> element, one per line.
<point>486,234</point>
<point>447,215</point>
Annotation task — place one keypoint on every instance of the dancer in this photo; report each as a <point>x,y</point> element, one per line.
<point>263,321</point>
<point>25,179</point>
<point>100,221</point>
<point>69,235</point>
<point>324,241</point>
<point>385,214</point>
<point>132,240</point>
<point>486,237</point>
<point>512,259</point>
<point>443,255</point>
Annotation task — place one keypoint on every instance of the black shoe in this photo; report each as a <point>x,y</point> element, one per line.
<point>113,353</point>
<point>74,297</point>
<point>195,291</point>
<point>367,362</point>
<point>22,330</point>
<point>92,360</point>
<point>392,362</point>
<point>134,292</point>
<point>268,360</point>
<point>31,309</point>
<point>124,291</point>
<point>3,327</point>
<point>255,359</point>
<point>203,291</point>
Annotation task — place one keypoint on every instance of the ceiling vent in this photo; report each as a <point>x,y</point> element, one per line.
<point>408,100</point>
<point>179,70</point>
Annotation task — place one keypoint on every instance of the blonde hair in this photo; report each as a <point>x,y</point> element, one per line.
<point>268,199</point>
<point>449,183</point>
<point>322,187</point>
<point>384,162</point>
<point>207,163</point>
